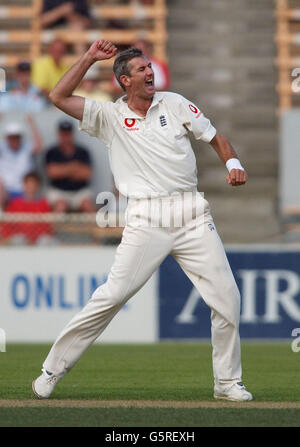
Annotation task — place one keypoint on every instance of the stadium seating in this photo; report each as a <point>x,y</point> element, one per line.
<point>288,63</point>
<point>223,58</point>
<point>22,37</point>
<point>288,52</point>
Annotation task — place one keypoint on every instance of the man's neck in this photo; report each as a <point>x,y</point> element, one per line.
<point>139,105</point>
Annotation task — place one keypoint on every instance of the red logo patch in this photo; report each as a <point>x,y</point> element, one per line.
<point>129,122</point>
<point>193,108</point>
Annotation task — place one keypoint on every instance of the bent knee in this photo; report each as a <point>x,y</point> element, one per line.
<point>234,306</point>
<point>232,295</point>
<point>228,310</point>
<point>113,296</point>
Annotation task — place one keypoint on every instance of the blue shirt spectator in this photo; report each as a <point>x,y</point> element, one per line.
<point>21,94</point>
<point>69,171</point>
<point>16,159</point>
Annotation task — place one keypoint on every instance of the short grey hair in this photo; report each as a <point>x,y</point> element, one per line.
<point>121,66</point>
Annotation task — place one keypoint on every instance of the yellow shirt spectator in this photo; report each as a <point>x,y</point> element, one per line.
<point>89,86</point>
<point>46,73</point>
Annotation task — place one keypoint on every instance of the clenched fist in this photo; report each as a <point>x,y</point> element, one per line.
<point>236,177</point>
<point>102,49</point>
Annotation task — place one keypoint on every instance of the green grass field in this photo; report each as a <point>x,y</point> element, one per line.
<point>113,384</point>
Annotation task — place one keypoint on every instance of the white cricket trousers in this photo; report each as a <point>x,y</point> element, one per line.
<point>185,229</point>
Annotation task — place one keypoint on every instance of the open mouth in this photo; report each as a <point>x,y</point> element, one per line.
<point>149,83</point>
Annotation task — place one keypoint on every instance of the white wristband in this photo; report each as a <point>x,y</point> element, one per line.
<point>234,163</point>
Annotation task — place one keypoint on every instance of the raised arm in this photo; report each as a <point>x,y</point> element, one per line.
<point>36,137</point>
<point>52,15</point>
<point>237,175</point>
<point>62,94</point>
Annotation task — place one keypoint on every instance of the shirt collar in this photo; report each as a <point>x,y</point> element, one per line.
<point>130,114</point>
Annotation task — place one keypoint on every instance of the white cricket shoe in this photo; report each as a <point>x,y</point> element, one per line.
<point>233,391</point>
<point>44,385</point>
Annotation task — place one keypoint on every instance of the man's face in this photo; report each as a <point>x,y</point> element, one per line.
<point>141,79</point>
<point>23,77</point>
<point>57,49</point>
<point>14,142</point>
<point>65,139</point>
<point>31,186</point>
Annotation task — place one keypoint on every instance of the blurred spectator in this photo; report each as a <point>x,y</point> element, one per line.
<point>137,21</point>
<point>47,70</point>
<point>32,202</point>
<point>161,70</point>
<point>69,171</point>
<point>73,13</point>
<point>21,94</point>
<point>89,86</point>
<point>16,159</point>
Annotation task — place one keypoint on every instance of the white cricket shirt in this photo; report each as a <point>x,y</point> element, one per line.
<point>149,156</point>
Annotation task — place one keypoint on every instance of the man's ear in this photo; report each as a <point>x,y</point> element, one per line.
<point>125,80</point>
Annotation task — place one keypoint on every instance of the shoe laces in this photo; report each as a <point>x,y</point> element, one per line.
<point>228,386</point>
<point>240,385</point>
<point>52,379</point>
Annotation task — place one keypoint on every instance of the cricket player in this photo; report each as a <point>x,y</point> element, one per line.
<point>154,166</point>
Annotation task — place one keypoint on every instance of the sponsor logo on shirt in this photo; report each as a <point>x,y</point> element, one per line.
<point>163,121</point>
<point>129,123</point>
<point>195,110</point>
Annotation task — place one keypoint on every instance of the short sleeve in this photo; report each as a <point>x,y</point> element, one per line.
<point>196,121</point>
<point>50,156</point>
<point>97,120</point>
